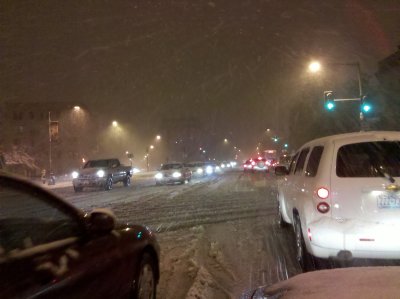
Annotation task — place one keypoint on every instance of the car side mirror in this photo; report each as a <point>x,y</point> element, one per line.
<point>101,221</point>
<point>281,170</point>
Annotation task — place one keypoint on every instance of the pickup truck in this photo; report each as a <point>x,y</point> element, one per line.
<point>101,173</point>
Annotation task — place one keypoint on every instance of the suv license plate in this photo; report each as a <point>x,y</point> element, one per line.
<point>388,201</point>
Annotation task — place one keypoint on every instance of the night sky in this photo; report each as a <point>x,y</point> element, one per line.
<point>233,65</point>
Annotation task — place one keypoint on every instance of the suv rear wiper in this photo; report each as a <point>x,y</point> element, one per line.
<point>385,174</point>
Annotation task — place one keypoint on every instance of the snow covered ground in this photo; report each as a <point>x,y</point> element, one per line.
<point>218,236</point>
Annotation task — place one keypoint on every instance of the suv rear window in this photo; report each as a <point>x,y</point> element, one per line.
<point>313,161</point>
<point>369,159</point>
<point>302,160</point>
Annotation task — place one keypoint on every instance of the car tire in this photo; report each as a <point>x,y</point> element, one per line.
<point>304,259</point>
<point>127,181</point>
<point>108,184</point>
<point>145,283</point>
<point>78,189</point>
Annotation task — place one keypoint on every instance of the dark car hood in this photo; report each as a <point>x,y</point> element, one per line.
<point>360,282</point>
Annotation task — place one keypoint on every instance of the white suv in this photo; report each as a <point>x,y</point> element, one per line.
<point>342,196</point>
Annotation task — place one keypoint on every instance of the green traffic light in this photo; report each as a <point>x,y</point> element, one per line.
<point>330,105</point>
<point>366,108</point>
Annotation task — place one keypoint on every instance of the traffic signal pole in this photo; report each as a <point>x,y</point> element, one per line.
<point>363,126</point>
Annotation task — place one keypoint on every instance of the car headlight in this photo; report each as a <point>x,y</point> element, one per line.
<point>176,174</point>
<point>135,170</point>
<point>74,174</point>
<point>100,173</point>
<point>199,170</point>
<point>159,176</point>
<point>209,170</point>
<point>222,165</point>
<point>217,168</point>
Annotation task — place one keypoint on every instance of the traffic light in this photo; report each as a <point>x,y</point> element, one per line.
<point>365,105</point>
<point>329,99</point>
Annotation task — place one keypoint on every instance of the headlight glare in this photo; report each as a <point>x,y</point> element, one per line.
<point>177,174</point>
<point>74,174</point>
<point>209,170</point>
<point>159,176</point>
<point>100,173</point>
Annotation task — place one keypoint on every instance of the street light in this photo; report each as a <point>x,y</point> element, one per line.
<point>77,108</point>
<point>158,137</point>
<point>115,123</point>
<point>226,140</point>
<point>314,67</point>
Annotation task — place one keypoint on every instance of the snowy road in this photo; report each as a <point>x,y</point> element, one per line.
<point>218,236</point>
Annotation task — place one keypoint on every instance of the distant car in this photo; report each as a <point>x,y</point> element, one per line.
<point>50,249</point>
<point>102,173</point>
<point>341,194</point>
<point>247,165</point>
<point>173,173</point>
<point>197,168</point>
<point>211,168</point>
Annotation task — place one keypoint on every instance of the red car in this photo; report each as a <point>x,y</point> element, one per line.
<point>50,249</point>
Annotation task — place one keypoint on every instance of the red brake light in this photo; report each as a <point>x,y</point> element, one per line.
<point>323,207</point>
<point>323,193</point>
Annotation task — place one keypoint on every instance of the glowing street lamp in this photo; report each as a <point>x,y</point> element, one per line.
<point>314,67</point>
<point>151,146</point>
<point>158,137</point>
<point>115,123</point>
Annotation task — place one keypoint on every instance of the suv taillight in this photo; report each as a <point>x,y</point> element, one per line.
<point>323,207</point>
<point>323,193</point>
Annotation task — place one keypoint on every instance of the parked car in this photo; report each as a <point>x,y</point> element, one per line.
<point>50,249</point>
<point>173,173</point>
<point>341,195</point>
<point>101,173</point>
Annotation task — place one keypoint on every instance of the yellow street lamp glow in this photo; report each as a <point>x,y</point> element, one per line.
<point>314,67</point>
<point>115,123</point>
<point>225,140</point>
<point>77,108</point>
<point>158,137</point>
<point>151,146</point>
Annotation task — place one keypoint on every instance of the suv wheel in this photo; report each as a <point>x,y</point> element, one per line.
<point>108,184</point>
<point>127,181</point>
<point>302,256</point>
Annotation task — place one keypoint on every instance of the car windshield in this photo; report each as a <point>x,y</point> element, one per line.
<point>97,163</point>
<point>171,166</point>
<point>369,159</point>
<point>158,110</point>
